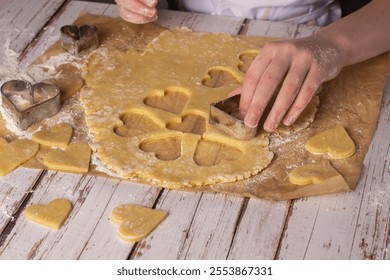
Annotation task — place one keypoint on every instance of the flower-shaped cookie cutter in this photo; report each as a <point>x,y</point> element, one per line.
<point>78,40</point>
<point>27,104</point>
<point>224,116</point>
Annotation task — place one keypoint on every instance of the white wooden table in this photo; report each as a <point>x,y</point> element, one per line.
<point>353,225</point>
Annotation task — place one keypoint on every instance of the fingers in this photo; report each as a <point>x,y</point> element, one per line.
<point>299,66</point>
<point>290,89</point>
<point>137,11</point>
<point>306,93</point>
<point>252,79</point>
<point>254,102</point>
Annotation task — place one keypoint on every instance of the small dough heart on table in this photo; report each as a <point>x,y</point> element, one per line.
<point>15,153</point>
<point>136,222</point>
<point>75,158</point>
<point>57,136</point>
<point>52,215</point>
<point>312,173</point>
<point>335,142</point>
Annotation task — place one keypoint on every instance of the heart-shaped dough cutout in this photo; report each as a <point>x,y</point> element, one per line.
<point>210,153</point>
<point>335,142</point>
<point>75,158</point>
<point>191,123</point>
<point>136,124</point>
<point>15,153</point>
<point>171,100</point>
<point>165,149</point>
<point>57,136</point>
<point>312,173</point>
<point>136,222</point>
<point>52,215</point>
<point>219,77</point>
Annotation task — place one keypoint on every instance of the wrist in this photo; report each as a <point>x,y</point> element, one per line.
<point>336,41</point>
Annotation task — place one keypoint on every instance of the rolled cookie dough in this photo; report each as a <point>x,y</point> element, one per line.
<point>168,88</point>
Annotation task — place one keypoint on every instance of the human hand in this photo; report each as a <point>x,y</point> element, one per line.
<point>299,67</point>
<point>138,11</point>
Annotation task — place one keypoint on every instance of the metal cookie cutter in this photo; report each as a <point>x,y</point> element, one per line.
<point>27,104</point>
<point>79,40</point>
<point>224,116</point>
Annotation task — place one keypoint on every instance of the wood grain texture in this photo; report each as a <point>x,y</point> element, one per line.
<point>22,20</point>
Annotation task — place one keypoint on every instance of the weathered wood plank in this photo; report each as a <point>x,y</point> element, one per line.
<point>88,232</point>
<point>259,231</point>
<point>167,241</point>
<point>103,242</point>
<point>51,33</point>
<point>21,20</point>
<point>14,188</point>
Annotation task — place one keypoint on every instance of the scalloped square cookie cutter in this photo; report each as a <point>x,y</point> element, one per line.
<point>224,116</point>
<point>27,104</point>
<point>78,40</point>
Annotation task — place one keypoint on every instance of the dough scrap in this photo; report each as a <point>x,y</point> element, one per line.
<point>335,142</point>
<point>312,173</point>
<point>179,64</point>
<point>57,136</point>
<point>15,153</point>
<point>136,222</point>
<point>75,158</point>
<point>52,215</point>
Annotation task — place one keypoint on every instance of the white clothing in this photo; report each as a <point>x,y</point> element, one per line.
<point>321,12</point>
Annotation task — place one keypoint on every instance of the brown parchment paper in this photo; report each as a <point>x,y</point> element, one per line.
<point>352,99</point>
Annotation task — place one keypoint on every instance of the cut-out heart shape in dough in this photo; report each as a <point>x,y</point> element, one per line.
<point>219,77</point>
<point>136,124</point>
<point>172,100</point>
<point>209,153</point>
<point>335,142</point>
<point>57,136</point>
<point>312,173</point>
<point>136,222</point>
<point>165,149</point>
<point>75,158</point>
<point>190,124</point>
<point>247,58</point>
<point>15,153</point>
<point>52,215</point>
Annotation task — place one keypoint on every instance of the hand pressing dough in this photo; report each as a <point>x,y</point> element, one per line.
<point>15,153</point>
<point>136,222</point>
<point>75,158</point>
<point>52,215</point>
<point>312,173</point>
<point>335,142</point>
<point>57,136</point>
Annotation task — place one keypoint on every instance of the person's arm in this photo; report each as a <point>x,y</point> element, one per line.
<point>138,11</point>
<point>301,65</point>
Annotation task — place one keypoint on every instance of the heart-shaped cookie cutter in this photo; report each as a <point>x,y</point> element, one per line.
<point>27,104</point>
<point>78,40</point>
<point>224,116</point>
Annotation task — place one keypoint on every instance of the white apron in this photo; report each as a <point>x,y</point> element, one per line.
<point>320,12</point>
